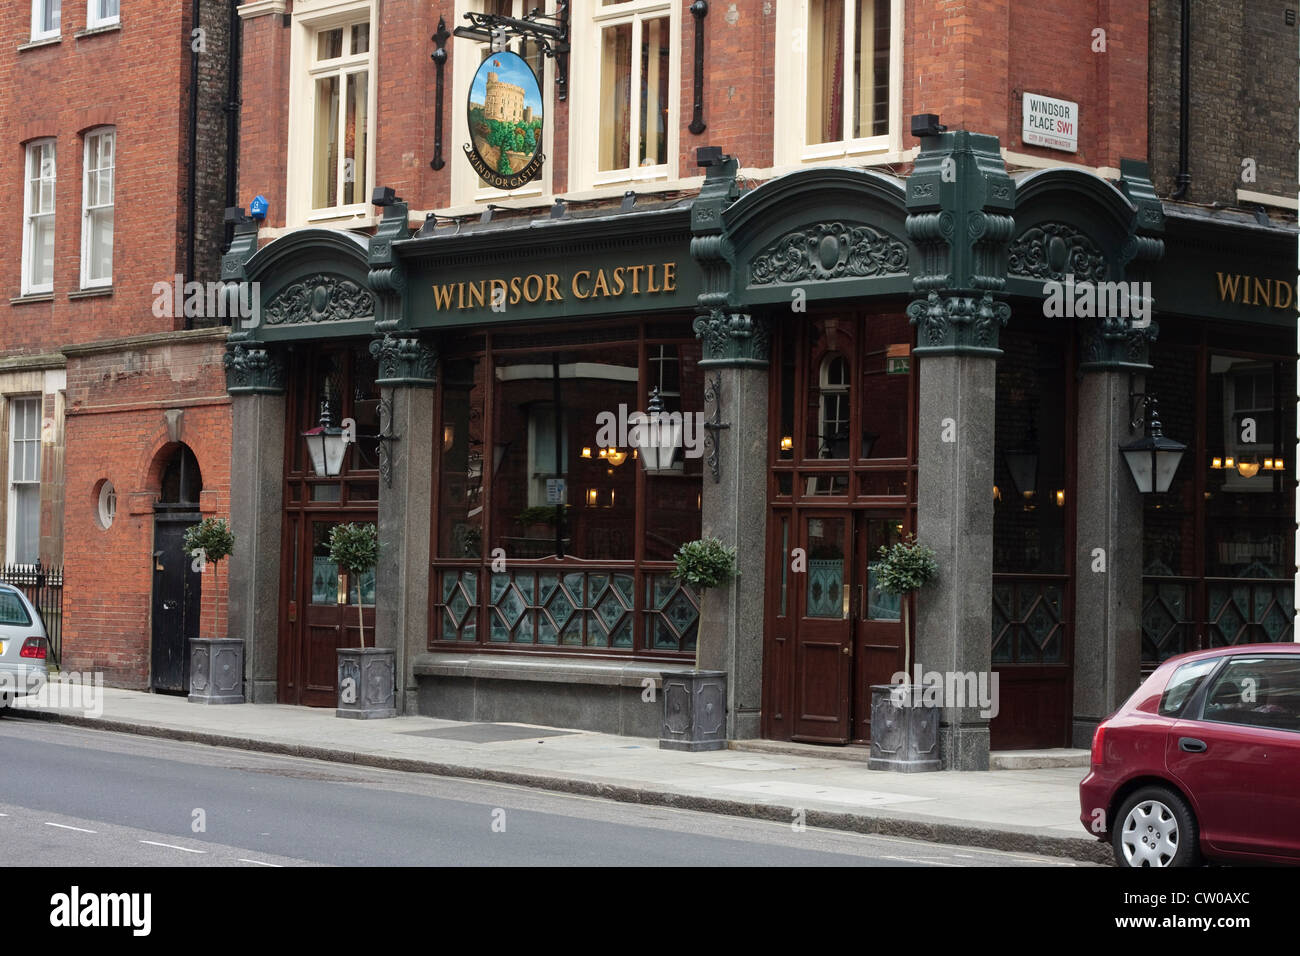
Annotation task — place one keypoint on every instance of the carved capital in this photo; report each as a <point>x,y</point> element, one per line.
<point>732,339</point>
<point>958,324</point>
<point>405,362</point>
<point>1116,344</point>
<point>251,371</point>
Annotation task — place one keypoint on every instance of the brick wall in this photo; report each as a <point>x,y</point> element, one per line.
<point>1242,104</point>
<point>116,431</point>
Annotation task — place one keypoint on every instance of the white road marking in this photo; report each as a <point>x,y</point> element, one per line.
<point>904,859</point>
<point>64,826</point>
<point>172,846</point>
<point>260,863</point>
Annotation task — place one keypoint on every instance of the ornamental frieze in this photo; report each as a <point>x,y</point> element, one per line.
<point>829,250</point>
<point>320,298</point>
<point>1054,250</point>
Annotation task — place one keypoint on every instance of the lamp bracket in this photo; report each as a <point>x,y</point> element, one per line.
<point>713,394</point>
<point>385,438</point>
<point>1137,406</point>
<point>550,33</point>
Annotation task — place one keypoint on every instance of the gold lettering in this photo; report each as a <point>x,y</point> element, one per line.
<point>670,277</point>
<point>636,278</point>
<point>1266,286</point>
<point>460,295</point>
<point>1228,287</point>
<point>650,280</point>
<point>600,286</point>
<point>529,294</point>
<point>495,300</point>
<point>553,288</point>
<point>442,297</point>
<point>476,293</point>
<point>1277,295</point>
<point>514,290</point>
<point>578,293</point>
<point>618,281</point>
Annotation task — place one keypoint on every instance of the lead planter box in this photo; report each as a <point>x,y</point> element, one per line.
<point>904,732</point>
<point>366,682</point>
<point>216,670</point>
<point>695,710</point>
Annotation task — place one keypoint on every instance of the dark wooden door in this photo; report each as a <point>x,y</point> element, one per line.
<point>878,624</point>
<point>824,631</point>
<point>177,589</point>
<point>327,608</point>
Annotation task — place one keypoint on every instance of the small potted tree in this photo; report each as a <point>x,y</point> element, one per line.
<point>904,724</point>
<point>695,701</point>
<point>216,662</point>
<point>366,681</point>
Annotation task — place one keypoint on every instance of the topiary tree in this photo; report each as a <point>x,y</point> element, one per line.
<point>212,541</point>
<point>355,548</point>
<point>703,564</point>
<point>905,566</point>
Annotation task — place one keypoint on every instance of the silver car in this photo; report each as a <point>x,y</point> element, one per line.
<point>24,646</point>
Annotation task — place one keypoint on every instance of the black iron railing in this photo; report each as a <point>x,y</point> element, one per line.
<point>44,588</point>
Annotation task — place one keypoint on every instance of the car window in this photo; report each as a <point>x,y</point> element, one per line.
<point>1258,691</point>
<point>1183,684</point>
<point>12,610</point>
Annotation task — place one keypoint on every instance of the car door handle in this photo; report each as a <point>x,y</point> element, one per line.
<point>1192,745</point>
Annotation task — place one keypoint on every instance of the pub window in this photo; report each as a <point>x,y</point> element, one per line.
<point>24,522</point>
<point>833,421</point>
<point>844,98</point>
<point>627,92</point>
<point>38,219</point>
<point>97,209</point>
<point>331,112</point>
<point>45,19</point>
<point>102,13</point>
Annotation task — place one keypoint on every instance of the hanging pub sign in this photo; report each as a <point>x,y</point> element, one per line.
<point>505,122</point>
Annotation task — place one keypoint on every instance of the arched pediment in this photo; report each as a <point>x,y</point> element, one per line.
<point>833,232</point>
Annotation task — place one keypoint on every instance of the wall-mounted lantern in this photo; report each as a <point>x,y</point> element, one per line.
<point>326,445</point>
<point>1153,459</point>
<point>658,436</point>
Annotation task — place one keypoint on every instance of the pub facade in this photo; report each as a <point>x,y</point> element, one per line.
<point>957,344</point>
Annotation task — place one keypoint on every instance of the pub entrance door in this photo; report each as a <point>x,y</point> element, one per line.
<point>846,634</point>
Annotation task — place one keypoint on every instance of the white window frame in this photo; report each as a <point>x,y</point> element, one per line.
<point>30,216</point>
<point>93,18</point>
<point>39,8</point>
<point>466,187</point>
<point>585,93</point>
<point>790,106</point>
<point>87,210</point>
<point>309,18</point>
<point>16,402</point>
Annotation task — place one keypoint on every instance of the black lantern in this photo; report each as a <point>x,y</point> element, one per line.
<point>1154,458</point>
<point>326,445</point>
<point>657,436</point>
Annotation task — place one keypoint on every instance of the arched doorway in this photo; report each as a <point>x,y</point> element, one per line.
<point>177,587</point>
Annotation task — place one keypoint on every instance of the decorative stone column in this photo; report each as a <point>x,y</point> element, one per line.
<point>959,202</point>
<point>255,380</point>
<point>734,506</point>
<point>407,370</point>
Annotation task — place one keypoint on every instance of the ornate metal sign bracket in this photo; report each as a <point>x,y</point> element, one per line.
<point>550,33</point>
<point>713,393</point>
<point>439,57</point>
<point>385,438</point>
<point>699,10</point>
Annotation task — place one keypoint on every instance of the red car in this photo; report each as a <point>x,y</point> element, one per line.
<point>1202,762</point>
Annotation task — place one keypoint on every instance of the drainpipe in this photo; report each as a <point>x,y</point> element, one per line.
<point>192,215</point>
<point>1184,178</point>
<point>232,117</point>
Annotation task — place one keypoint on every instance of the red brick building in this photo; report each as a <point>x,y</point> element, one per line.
<point>112,121</point>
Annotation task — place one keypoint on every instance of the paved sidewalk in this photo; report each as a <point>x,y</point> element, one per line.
<point>1032,811</point>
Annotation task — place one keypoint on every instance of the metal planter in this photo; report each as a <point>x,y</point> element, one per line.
<point>904,732</point>
<point>367,685</point>
<point>695,710</point>
<point>216,670</point>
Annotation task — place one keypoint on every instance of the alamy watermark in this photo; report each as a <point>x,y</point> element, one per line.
<point>208,300</point>
<point>69,690</point>
<point>638,429</point>
<point>1098,300</point>
<point>946,689</point>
